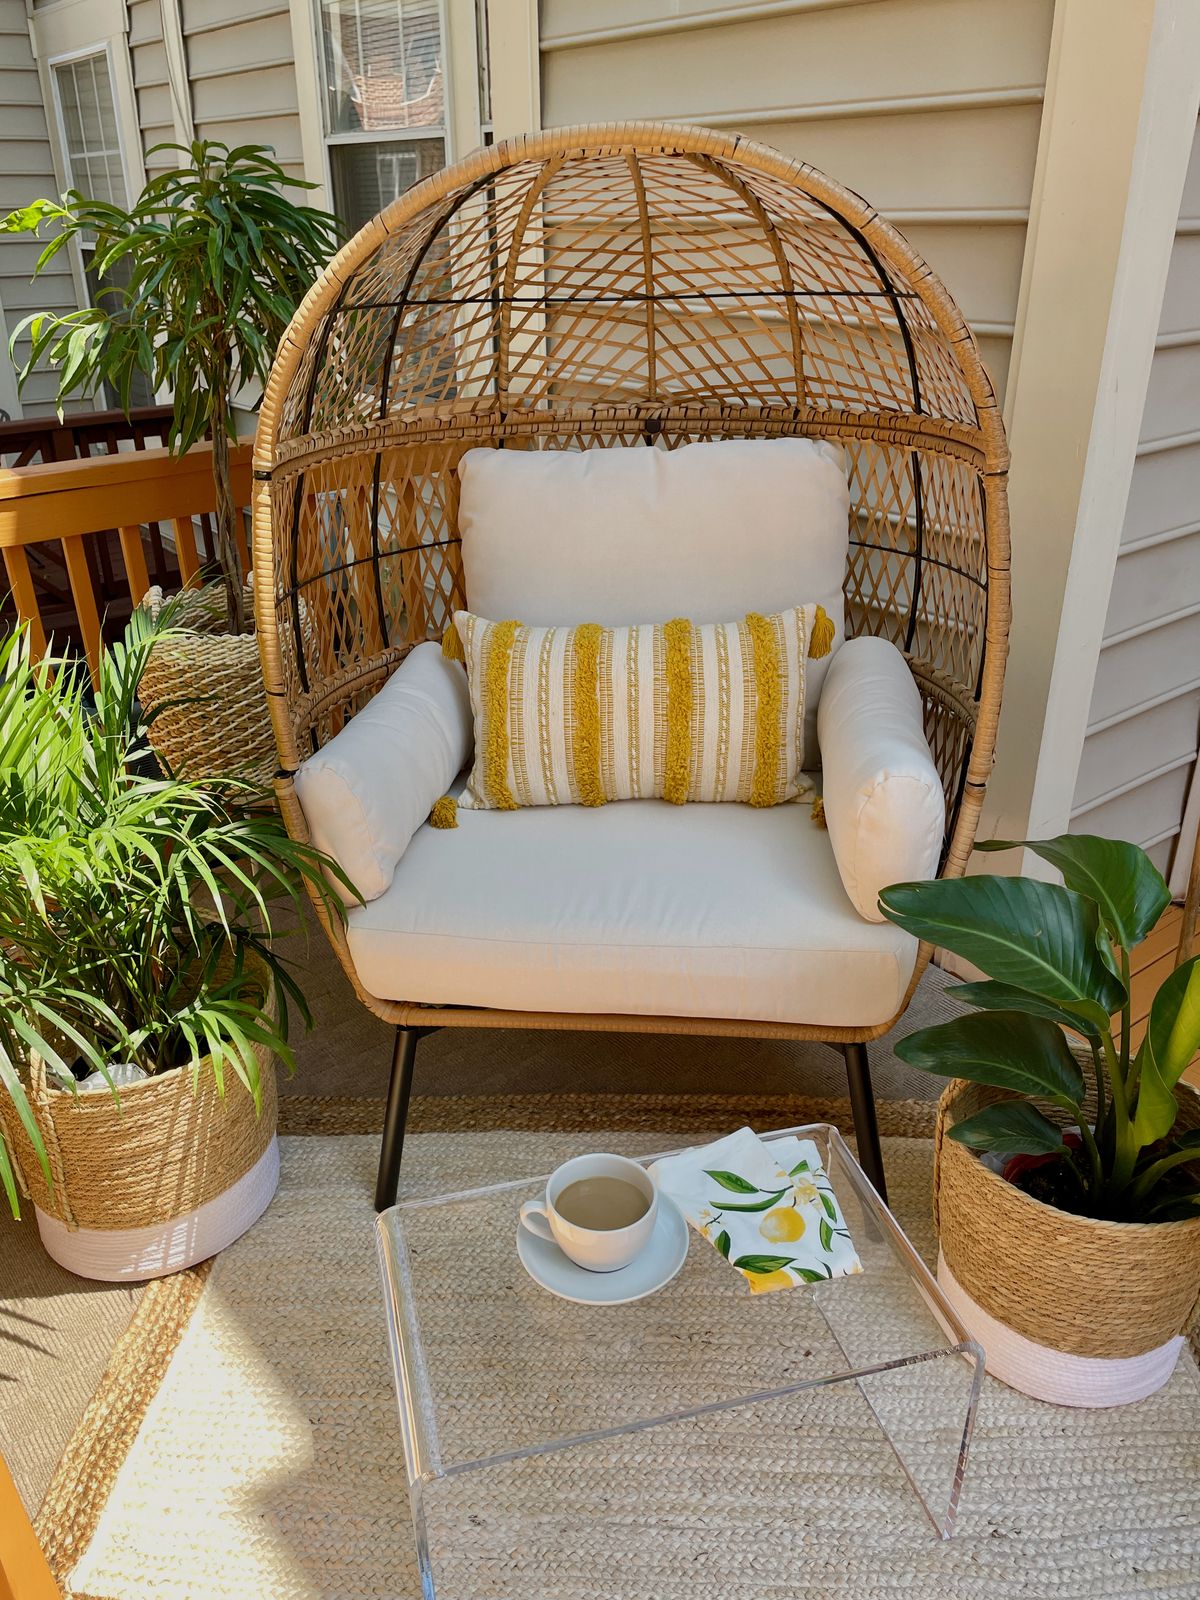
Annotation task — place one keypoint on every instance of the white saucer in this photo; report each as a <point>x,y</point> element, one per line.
<point>657,1265</point>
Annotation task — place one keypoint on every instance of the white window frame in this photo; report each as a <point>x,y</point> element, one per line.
<point>56,31</point>
<point>403,136</point>
<point>91,52</point>
<point>513,29</point>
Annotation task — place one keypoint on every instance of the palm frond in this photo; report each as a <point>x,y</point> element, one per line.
<point>137,912</point>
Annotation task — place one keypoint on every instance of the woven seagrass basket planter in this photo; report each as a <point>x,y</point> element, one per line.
<point>168,1176</point>
<point>206,687</point>
<point>1067,1308</point>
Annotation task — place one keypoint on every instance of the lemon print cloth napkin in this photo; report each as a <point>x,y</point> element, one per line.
<point>769,1209</point>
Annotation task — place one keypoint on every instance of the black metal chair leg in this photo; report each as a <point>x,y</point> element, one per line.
<point>862,1104</point>
<point>396,1115</point>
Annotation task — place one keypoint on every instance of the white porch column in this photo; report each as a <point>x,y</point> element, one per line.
<point>1121,106</point>
<point>516,67</point>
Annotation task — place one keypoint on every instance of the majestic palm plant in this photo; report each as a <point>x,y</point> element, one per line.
<point>135,908</point>
<point>204,274</point>
<point>1056,958</point>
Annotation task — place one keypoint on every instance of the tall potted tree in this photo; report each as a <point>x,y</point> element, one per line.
<point>204,273</point>
<point>1068,1162</point>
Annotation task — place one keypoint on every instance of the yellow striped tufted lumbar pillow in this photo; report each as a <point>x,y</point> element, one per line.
<point>674,710</point>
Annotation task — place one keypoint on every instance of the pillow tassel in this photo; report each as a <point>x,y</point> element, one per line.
<point>821,642</point>
<point>452,647</point>
<point>817,813</point>
<point>444,813</point>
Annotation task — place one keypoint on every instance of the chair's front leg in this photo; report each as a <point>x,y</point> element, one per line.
<point>862,1105</point>
<point>396,1114</point>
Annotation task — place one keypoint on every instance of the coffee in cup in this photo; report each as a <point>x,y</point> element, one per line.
<point>600,1210</point>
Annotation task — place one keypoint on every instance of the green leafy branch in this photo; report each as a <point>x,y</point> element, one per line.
<point>203,274</point>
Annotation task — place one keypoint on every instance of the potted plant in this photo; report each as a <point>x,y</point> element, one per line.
<point>201,277</point>
<point>1068,1165</point>
<point>135,955</point>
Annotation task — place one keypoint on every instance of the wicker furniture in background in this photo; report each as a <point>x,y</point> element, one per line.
<point>625,285</point>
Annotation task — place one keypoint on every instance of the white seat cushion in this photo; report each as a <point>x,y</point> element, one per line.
<point>636,534</point>
<point>639,908</point>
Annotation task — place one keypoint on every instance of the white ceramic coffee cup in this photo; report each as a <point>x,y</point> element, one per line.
<point>596,1249</point>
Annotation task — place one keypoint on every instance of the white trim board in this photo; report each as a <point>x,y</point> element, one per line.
<point>1121,104</point>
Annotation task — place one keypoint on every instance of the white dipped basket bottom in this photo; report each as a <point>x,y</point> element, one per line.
<point>1067,1309</point>
<point>164,1179</point>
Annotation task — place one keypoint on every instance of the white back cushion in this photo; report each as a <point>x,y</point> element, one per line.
<point>635,534</point>
<point>366,792</point>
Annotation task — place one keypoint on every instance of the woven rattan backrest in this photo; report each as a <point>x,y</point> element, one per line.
<point>630,286</point>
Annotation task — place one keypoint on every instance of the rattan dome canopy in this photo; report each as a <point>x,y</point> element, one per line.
<point>636,285</point>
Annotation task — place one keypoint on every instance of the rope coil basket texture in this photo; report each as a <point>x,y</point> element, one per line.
<point>629,285</point>
<point>167,1148</point>
<point>1088,1288</point>
<point>207,689</point>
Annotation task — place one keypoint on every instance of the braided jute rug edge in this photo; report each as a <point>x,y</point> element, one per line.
<point>79,1488</point>
<point>528,1113</point>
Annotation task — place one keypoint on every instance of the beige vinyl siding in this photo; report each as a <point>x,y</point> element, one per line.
<point>929,108</point>
<point>152,87</point>
<point>26,172</point>
<point>1144,727</point>
<point>243,76</point>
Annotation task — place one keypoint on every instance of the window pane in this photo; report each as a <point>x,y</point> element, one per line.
<point>140,392</point>
<point>367,177</point>
<point>383,64</point>
<point>104,103</point>
<point>89,108</point>
<point>89,117</point>
<point>69,99</point>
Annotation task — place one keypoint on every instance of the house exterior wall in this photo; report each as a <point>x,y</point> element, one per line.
<point>152,84</point>
<point>1139,755</point>
<point>937,110</point>
<point>929,108</point>
<point>243,77</point>
<point>26,171</point>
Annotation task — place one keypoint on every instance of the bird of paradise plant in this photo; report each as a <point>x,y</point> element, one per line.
<point>1056,960</point>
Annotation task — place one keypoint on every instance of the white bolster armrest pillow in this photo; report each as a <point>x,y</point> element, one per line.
<point>884,805</point>
<point>367,791</point>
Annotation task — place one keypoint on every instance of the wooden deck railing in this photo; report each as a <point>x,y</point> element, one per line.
<point>57,511</point>
<point>28,440</point>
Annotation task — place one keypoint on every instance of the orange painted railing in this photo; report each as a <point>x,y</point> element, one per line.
<point>63,505</point>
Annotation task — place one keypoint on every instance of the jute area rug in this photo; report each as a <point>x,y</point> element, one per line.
<point>244,1442</point>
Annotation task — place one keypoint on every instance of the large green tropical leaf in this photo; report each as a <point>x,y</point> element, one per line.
<point>1156,1109</point>
<point>1119,877</point>
<point>1036,936</point>
<point>1014,1128</point>
<point>1005,1049</point>
<point>1173,1032</point>
<point>993,996</point>
<point>1172,1039</point>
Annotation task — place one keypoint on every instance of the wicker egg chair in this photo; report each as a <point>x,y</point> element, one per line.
<point>623,285</point>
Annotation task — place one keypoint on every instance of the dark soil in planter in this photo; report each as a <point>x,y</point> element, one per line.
<point>1053,1180</point>
<point>1054,1186</point>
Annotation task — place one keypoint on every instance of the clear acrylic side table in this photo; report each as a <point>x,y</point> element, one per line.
<point>540,1434</point>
